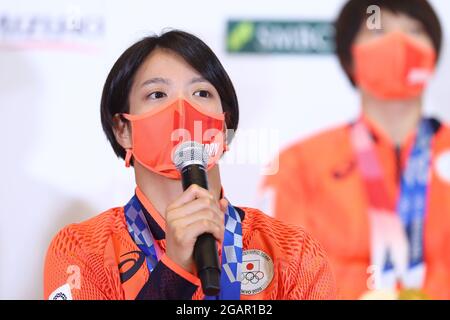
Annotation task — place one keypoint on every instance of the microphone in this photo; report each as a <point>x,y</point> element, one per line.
<point>191,159</point>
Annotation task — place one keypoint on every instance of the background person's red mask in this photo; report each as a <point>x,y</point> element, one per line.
<point>393,67</point>
<point>157,133</point>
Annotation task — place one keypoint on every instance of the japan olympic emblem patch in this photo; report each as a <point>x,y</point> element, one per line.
<point>257,272</point>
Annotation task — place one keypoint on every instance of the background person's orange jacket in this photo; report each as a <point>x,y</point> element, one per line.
<point>318,186</point>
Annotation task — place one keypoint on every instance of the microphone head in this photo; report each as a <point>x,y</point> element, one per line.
<point>190,152</point>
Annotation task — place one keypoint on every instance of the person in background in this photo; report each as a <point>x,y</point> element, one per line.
<point>376,192</point>
<point>163,91</point>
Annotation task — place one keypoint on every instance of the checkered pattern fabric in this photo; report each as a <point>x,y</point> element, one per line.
<point>140,232</point>
<point>231,248</point>
<point>232,245</point>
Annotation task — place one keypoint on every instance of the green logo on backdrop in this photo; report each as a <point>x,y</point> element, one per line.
<point>280,37</point>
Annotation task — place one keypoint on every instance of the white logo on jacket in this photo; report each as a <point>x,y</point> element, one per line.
<point>442,166</point>
<point>62,293</point>
<point>257,272</point>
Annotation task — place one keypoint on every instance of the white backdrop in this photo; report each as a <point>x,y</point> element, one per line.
<point>56,165</point>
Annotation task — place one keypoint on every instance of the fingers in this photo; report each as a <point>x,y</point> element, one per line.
<point>191,233</point>
<point>193,213</point>
<point>190,194</point>
<point>194,206</point>
<point>207,215</point>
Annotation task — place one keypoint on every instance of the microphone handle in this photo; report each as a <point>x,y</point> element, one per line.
<point>205,249</point>
<point>194,174</point>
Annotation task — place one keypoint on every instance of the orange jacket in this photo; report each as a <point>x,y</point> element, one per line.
<point>83,260</point>
<point>318,186</point>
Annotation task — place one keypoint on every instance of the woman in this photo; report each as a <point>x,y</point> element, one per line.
<point>159,87</point>
<point>376,192</point>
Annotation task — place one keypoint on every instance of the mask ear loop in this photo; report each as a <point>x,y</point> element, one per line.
<point>128,157</point>
<point>226,148</point>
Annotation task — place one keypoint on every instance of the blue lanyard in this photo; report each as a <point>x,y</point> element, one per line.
<point>231,248</point>
<point>230,282</point>
<point>140,232</point>
<point>412,204</point>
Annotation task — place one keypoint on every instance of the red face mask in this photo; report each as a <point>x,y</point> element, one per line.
<point>157,133</point>
<point>393,67</point>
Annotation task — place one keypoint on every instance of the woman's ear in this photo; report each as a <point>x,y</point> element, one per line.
<point>122,131</point>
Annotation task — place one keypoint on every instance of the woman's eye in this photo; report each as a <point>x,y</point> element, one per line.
<point>157,95</point>
<point>202,94</point>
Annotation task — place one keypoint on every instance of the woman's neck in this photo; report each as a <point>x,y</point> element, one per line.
<point>397,119</point>
<point>162,191</point>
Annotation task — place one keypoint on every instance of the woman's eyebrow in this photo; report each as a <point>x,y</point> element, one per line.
<point>155,80</point>
<point>198,79</point>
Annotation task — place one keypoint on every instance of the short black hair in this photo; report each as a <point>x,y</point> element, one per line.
<point>115,96</point>
<point>354,13</point>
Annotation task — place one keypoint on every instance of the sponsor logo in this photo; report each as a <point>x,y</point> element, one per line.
<point>342,171</point>
<point>136,265</point>
<point>280,37</point>
<point>71,30</point>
